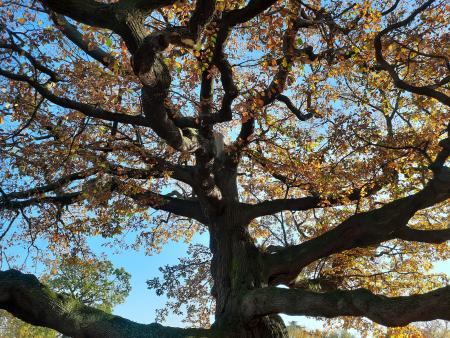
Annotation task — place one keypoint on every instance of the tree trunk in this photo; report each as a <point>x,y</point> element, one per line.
<point>235,268</point>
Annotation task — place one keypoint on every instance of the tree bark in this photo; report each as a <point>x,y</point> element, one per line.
<point>236,270</point>
<point>26,298</point>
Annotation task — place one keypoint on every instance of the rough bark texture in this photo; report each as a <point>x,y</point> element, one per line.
<point>26,298</point>
<point>394,311</point>
<point>236,269</point>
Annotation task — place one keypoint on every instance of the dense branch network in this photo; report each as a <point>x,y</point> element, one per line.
<point>213,176</point>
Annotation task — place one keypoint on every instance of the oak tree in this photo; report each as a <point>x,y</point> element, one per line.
<point>310,139</point>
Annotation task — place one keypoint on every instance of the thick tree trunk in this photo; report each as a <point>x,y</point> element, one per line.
<point>236,270</point>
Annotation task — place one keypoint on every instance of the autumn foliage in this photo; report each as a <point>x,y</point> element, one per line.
<point>310,139</point>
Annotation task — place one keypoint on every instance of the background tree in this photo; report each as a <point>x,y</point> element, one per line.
<point>296,331</point>
<point>95,282</point>
<point>310,139</point>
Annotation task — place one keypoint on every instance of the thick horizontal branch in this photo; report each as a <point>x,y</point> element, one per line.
<point>251,10</point>
<point>310,202</point>
<point>266,208</point>
<point>157,167</point>
<point>60,199</point>
<point>29,300</point>
<point>160,168</point>
<point>425,236</point>
<point>366,228</point>
<point>146,5</point>
<point>388,311</point>
<point>125,18</point>
<point>181,207</point>
<point>360,230</point>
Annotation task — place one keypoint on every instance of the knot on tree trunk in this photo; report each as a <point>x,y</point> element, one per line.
<point>148,64</point>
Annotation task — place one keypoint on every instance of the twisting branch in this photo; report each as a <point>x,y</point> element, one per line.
<point>149,66</point>
<point>301,116</point>
<point>26,298</point>
<point>388,311</point>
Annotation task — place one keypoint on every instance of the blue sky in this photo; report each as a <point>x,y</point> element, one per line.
<point>141,304</point>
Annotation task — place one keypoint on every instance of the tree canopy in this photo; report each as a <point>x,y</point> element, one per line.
<point>310,139</point>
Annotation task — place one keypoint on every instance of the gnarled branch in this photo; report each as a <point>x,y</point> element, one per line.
<point>388,311</point>
<point>26,298</point>
<point>424,236</point>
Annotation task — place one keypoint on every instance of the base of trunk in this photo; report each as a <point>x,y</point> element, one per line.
<point>268,326</point>
<point>264,327</point>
